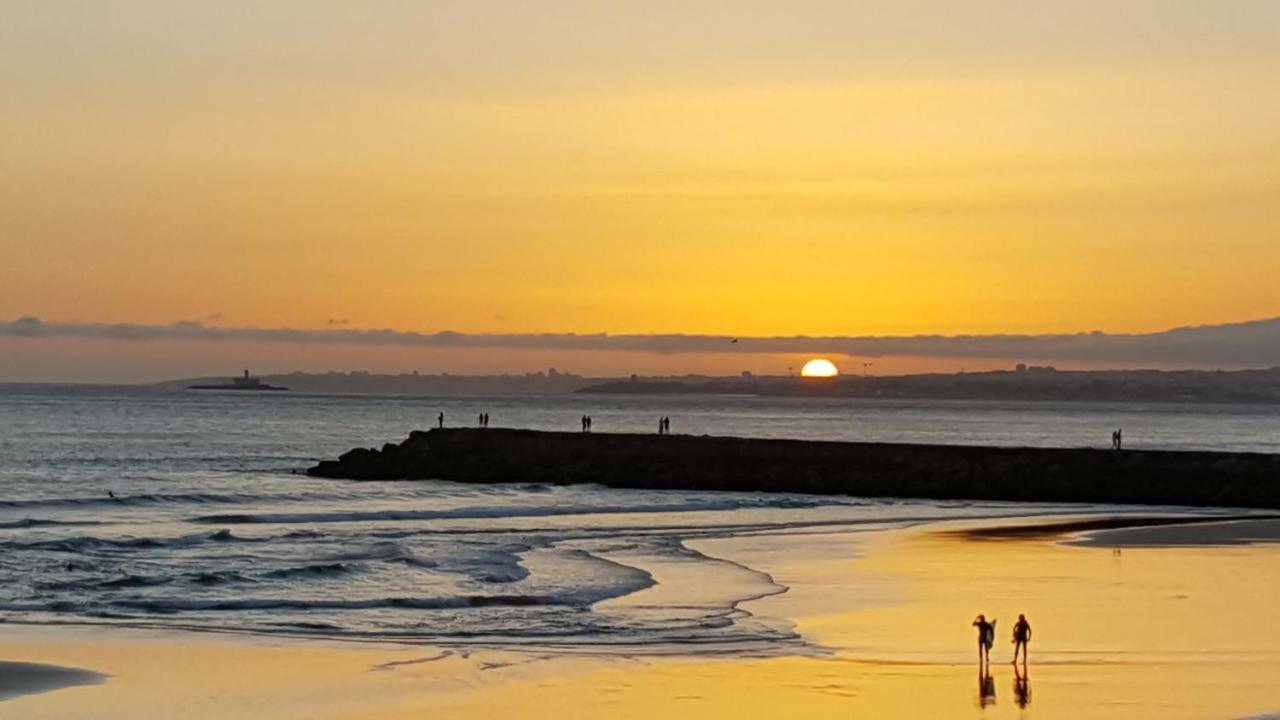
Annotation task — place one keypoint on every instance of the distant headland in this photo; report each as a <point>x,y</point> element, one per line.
<point>946,472</point>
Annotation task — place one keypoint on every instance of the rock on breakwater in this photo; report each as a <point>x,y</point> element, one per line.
<point>946,472</point>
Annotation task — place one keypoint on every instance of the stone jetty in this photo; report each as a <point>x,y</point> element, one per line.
<point>949,472</point>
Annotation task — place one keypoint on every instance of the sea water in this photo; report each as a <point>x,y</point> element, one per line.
<point>188,509</point>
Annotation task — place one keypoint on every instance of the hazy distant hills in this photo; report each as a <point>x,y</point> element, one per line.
<point>1033,383</point>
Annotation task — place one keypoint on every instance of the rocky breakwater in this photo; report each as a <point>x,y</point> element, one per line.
<point>864,469</point>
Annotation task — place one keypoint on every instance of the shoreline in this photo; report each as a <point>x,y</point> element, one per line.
<point>940,472</point>
<point>889,609</point>
<point>1078,530</point>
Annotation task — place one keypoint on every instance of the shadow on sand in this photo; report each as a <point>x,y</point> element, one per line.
<point>18,679</point>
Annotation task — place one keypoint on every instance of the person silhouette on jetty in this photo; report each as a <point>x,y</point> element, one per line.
<point>440,420</point>
<point>986,638</point>
<point>666,425</point>
<point>1117,439</point>
<point>1021,637</point>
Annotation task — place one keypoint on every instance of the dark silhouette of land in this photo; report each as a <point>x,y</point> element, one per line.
<point>1027,384</point>
<point>366,383</point>
<point>685,462</point>
<point>1024,383</point>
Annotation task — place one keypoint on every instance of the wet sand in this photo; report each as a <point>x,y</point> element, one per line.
<point>1127,629</point>
<point>18,679</point>
<point>1039,529</point>
<point>1221,532</point>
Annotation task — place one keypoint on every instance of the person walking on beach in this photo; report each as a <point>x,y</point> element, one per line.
<point>1021,636</point>
<point>986,638</point>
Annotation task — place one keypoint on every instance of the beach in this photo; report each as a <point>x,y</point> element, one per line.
<point>164,555</point>
<point>1126,626</point>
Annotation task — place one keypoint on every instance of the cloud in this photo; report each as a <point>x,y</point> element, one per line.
<point>1255,343</point>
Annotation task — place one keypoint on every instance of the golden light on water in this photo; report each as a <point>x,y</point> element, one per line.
<point>819,368</point>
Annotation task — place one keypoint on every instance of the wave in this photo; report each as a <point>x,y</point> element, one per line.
<point>117,583</point>
<point>319,570</point>
<point>224,577</point>
<point>43,522</point>
<point>85,543</point>
<point>131,581</point>
<point>146,499</point>
<point>179,605</point>
<point>133,500</point>
<point>389,551</point>
<point>482,512</point>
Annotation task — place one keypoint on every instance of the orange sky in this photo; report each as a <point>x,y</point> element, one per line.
<point>827,168</point>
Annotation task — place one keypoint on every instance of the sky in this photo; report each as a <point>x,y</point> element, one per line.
<point>747,169</point>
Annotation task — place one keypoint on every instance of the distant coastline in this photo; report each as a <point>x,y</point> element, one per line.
<point>1045,384</point>
<point>1030,384</point>
<point>238,388</point>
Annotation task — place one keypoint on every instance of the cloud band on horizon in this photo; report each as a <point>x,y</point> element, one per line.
<point>1254,343</point>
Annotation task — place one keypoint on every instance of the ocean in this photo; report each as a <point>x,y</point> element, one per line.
<point>185,509</point>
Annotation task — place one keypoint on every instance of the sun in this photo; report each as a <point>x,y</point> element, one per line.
<point>819,368</point>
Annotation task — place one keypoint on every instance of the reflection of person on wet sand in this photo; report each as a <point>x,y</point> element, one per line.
<point>1021,636</point>
<point>1021,687</point>
<point>986,638</point>
<point>986,688</point>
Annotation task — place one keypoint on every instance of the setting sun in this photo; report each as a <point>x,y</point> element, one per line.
<point>819,368</point>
